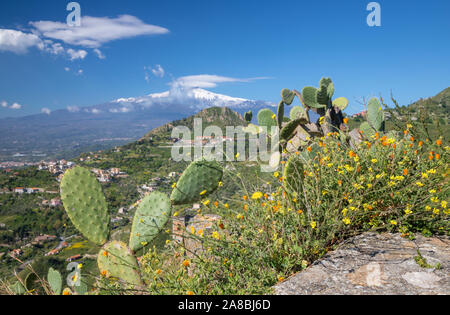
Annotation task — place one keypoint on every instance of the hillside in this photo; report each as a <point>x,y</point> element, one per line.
<point>214,116</point>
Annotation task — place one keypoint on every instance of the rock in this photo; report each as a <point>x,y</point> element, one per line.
<point>376,264</point>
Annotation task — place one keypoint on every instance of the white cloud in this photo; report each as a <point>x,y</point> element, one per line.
<point>121,110</point>
<point>92,111</point>
<point>80,72</point>
<point>67,69</point>
<point>99,54</point>
<point>4,104</point>
<point>18,42</point>
<point>46,110</point>
<point>73,109</point>
<point>76,54</point>
<point>15,106</point>
<point>158,71</point>
<point>95,31</point>
<point>206,81</point>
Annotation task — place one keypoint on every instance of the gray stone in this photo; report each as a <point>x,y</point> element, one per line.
<point>376,264</point>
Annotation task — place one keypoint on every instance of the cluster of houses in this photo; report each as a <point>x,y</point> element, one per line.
<point>105,176</point>
<point>58,167</point>
<point>22,190</point>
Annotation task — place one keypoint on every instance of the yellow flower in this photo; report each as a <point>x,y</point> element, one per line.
<point>257,195</point>
<point>374,161</point>
<point>322,120</point>
<point>226,205</point>
<point>220,184</point>
<point>393,222</point>
<point>435,211</point>
<point>239,216</point>
<point>314,224</point>
<point>419,184</point>
<point>432,191</point>
<point>276,174</point>
<point>237,155</point>
<point>424,175</point>
<point>158,272</point>
<point>174,185</point>
<point>346,221</point>
<point>144,243</point>
<point>80,266</point>
<point>444,204</point>
<point>203,192</point>
<point>274,116</point>
<point>206,202</point>
<point>216,235</point>
<point>167,242</point>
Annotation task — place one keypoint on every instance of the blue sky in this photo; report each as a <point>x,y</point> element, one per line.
<point>253,47</point>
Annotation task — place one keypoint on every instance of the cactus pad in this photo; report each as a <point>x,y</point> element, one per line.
<point>116,260</point>
<point>309,94</point>
<point>200,179</point>
<point>375,114</point>
<point>367,130</point>
<point>298,112</point>
<point>341,103</point>
<point>289,130</point>
<point>55,281</point>
<point>85,204</point>
<point>150,218</point>
<point>266,119</point>
<point>325,92</point>
<point>280,114</point>
<point>287,96</point>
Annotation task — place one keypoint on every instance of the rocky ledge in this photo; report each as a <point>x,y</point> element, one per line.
<point>377,264</point>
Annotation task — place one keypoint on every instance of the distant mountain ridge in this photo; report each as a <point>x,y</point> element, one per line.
<point>66,133</point>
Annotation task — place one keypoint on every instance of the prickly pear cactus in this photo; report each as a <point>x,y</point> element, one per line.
<point>288,131</point>
<point>150,218</point>
<point>375,114</point>
<point>287,96</point>
<point>85,204</point>
<point>341,103</point>
<point>266,118</point>
<point>298,112</point>
<point>200,179</point>
<point>325,92</point>
<point>55,280</point>
<point>116,260</point>
<point>367,130</point>
<point>280,114</point>
<point>309,94</point>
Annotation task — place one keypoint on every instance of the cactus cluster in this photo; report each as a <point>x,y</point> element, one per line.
<point>86,206</point>
<point>297,130</point>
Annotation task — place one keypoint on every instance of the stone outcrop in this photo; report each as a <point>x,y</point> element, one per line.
<point>377,264</point>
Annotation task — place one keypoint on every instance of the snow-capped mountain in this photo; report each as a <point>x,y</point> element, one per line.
<point>191,99</point>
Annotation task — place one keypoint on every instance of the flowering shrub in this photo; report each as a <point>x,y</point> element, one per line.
<point>283,225</point>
